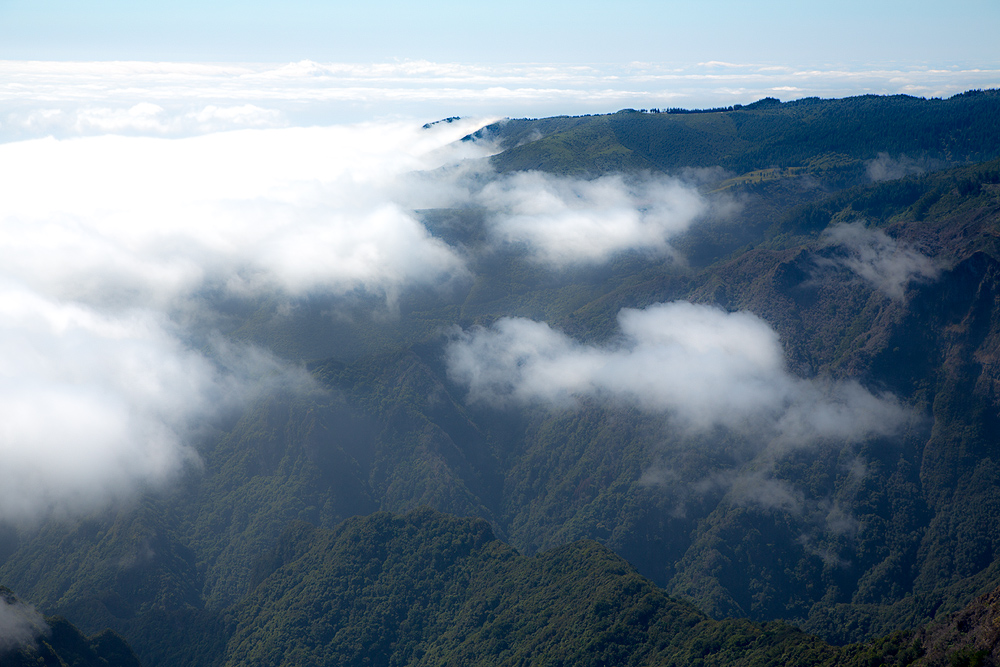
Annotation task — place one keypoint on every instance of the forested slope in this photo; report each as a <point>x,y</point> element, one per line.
<point>28,640</point>
<point>888,281</point>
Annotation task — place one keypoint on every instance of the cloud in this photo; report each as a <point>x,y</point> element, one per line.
<point>90,405</point>
<point>94,406</point>
<point>145,220</point>
<point>704,367</point>
<point>886,168</point>
<point>20,623</point>
<point>89,95</point>
<point>564,221</point>
<point>113,249</point>
<point>889,265</point>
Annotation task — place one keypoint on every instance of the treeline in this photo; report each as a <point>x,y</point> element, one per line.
<point>765,134</point>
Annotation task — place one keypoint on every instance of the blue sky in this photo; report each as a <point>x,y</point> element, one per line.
<point>517,31</point>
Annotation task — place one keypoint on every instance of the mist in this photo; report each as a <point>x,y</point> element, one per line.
<point>110,371</point>
<point>565,221</point>
<point>701,366</point>
<point>20,623</point>
<point>887,264</point>
<point>887,168</point>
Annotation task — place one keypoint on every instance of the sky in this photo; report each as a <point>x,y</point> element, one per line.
<point>156,157</point>
<point>319,62</point>
<point>770,31</point>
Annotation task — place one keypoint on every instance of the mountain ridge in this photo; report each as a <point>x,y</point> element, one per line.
<point>860,538</point>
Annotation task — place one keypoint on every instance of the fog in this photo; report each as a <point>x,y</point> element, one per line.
<point>702,366</point>
<point>111,245</point>
<point>887,264</point>
<point>564,221</point>
<point>20,624</point>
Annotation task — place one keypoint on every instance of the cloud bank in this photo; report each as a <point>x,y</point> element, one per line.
<point>181,99</point>
<point>564,221</point>
<point>704,367</point>
<point>91,405</point>
<point>887,264</point>
<point>112,245</point>
<point>146,220</point>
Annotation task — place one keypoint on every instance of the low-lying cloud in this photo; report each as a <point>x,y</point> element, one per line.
<point>886,168</point>
<point>95,405</point>
<point>149,220</point>
<point>111,246</point>
<point>114,245</point>
<point>886,263</point>
<point>704,367</point>
<point>20,623</point>
<point>91,405</point>
<point>564,221</point>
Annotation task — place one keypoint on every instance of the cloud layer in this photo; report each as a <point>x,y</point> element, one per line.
<point>112,243</point>
<point>704,367</point>
<point>91,405</point>
<point>147,219</point>
<point>180,99</point>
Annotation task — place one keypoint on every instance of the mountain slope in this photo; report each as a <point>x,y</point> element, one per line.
<point>851,539</point>
<point>54,642</point>
<point>426,589</point>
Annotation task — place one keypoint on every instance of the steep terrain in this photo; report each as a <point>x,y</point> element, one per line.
<point>28,640</point>
<point>862,231</point>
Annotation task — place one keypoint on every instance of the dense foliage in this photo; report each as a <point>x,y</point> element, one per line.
<point>57,643</point>
<point>427,589</point>
<point>247,560</point>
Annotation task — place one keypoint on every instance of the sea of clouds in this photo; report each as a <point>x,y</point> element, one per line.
<point>182,99</point>
<point>132,194</point>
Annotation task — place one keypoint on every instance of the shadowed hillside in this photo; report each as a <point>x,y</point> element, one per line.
<point>856,240</point>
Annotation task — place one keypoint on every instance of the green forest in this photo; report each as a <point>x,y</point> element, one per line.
<point>395,512</point>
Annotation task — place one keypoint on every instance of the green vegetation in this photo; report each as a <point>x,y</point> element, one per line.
<point>831,138</point>
<point>59,644</point>
<point>427,589</point>
<point>298,541</point>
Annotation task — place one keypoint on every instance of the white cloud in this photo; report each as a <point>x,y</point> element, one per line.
<point>110,244</point>
<point>704,367</point>
<point>90,405</point>
<point>885,167</point>
<point>105,93</point>
<point>20,623</point>
<point>149,220</point>
<point>565,221</point>
<point>889,265</point>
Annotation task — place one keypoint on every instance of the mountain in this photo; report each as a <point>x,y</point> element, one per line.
<point>838,473</point>
<point>27,640</point>
<point>425,588</point>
